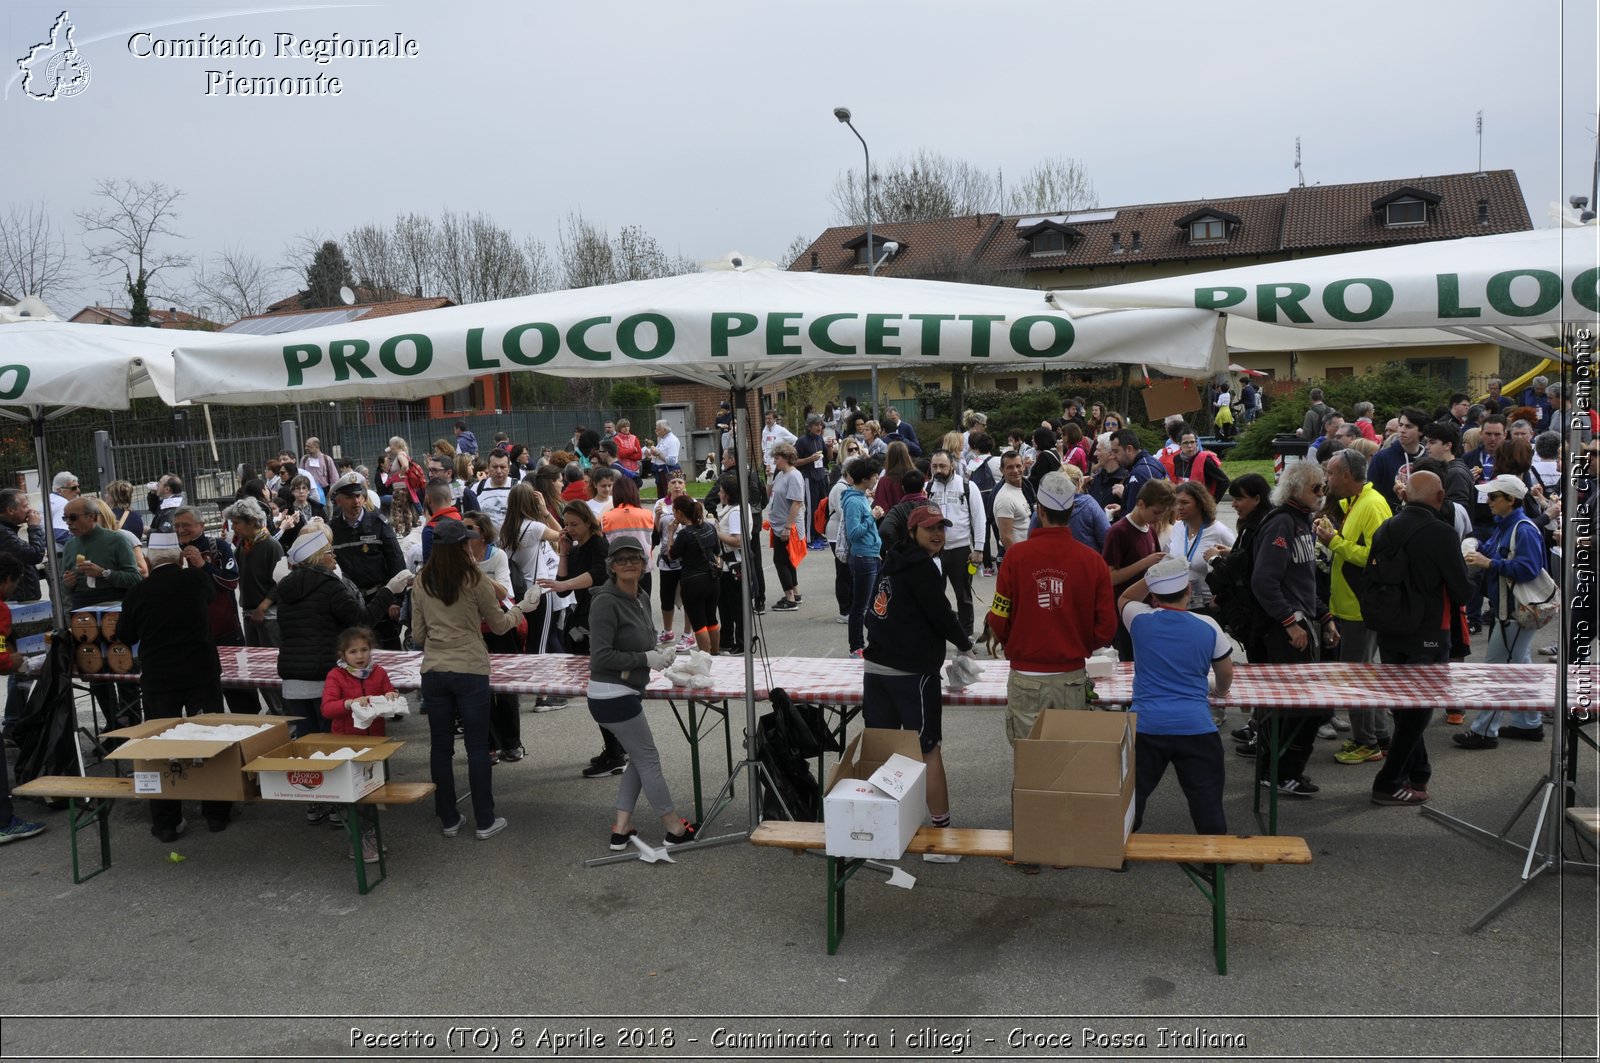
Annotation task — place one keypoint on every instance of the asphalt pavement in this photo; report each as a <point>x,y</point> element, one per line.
<point>1365,953</point>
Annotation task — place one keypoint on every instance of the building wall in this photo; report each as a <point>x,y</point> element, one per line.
<point>704,402</point>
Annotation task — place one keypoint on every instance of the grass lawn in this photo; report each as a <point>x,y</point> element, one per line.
<point>1239,467</point>
<point>696,490</point>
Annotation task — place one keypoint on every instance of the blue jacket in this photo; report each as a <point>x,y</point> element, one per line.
<point>1528,561</point>
<point>1089,523</point>
<point>1143,469</point>
<point>467,443</point>
<point>860,530</point>
<point>1385,466</point>
<point>907,435</point>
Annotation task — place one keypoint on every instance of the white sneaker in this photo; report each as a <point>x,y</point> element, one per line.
<point>491,830</point>
<point>1327,731</point>
<point>1341,724</point>
<point>940,858</point>
<point>845,619</point>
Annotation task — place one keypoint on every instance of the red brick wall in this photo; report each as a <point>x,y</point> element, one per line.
<point>704,402</point>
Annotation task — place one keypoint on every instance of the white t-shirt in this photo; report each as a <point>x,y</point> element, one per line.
<point>667,446</point>
<point>492,498</point>
<point>1011,502</point>
<point>771,437</point>
<point>728,523</point>
<point>599,508</point>
<point>1192,551</point>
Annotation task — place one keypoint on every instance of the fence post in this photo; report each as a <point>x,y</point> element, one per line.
<point>290,433</point>
<point>105,459</point>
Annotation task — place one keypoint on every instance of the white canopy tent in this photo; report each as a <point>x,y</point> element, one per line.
<point>728,328</point>
<point>1513,290</point>
<point>1527,291</point>
<point>49,368</point>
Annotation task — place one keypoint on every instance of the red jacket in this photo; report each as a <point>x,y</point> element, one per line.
<point>576,491</point>
<point>1052,602</point>
<point>341,687</point>
<point>9,659</point>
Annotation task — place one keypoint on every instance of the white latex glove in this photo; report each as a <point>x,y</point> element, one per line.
<point>531,599</point>
<point>660,657</point>
<point>399,583</point>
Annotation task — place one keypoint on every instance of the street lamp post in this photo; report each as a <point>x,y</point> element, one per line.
<point>843,115</point>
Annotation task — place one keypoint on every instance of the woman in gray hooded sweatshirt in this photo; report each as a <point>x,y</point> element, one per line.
<point>622,651</point>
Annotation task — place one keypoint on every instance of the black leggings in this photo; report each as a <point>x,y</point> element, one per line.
<point>505,722</point>
<point>788,579</point>
<point>730,585</point>
<point>699,592</point>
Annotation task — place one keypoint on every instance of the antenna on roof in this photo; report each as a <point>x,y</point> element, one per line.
<point>1298,172</point>
<point>1480,143</point>
<point>346,296</point>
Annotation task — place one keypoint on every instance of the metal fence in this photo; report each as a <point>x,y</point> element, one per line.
<point>206,444</point>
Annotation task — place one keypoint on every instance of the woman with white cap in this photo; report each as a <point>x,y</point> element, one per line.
<point>1513,554</point>
<point>314,605</point>
<point>1174,654</point>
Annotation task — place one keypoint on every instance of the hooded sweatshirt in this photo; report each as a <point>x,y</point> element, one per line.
<point>1284,580</point>
<point>908,619</point>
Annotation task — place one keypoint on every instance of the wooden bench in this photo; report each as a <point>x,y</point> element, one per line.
<point>92,796</point>
<point>1586,820</point>
<point>1204,858</point>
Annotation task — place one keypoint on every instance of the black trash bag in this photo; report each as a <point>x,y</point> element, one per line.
<point>802,725</point>
<point>47,732</point>
<point>790,774</point>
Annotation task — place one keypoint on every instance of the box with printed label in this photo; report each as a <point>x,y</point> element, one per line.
<point>1072,794</point>
<point>196,769</point>
<point>291,773</point>
<point>877,796</point>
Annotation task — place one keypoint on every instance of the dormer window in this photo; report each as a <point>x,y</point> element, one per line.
<point>1209,225</point>
<point>1404,212</point>
<point>1406,207</point>
<point>863,257</point>
<point>1049,242</point>
<point>1048,236</point>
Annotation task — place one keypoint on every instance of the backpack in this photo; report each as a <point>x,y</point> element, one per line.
<point>983,478</point>
<point>1390,603</point>
<point>1234,604</point>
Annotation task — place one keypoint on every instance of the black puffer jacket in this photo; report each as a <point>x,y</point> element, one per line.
<point>314,605</point>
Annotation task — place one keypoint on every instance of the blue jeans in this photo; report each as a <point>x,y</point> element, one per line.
<point>1509,642</point>
<point>446,696</point>
<point>863,577</point>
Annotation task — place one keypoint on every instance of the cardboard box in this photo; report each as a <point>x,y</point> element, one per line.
<point>877,796</point>
<point>1072,795</point>
<point>288,773</point>
<point>196,770</point>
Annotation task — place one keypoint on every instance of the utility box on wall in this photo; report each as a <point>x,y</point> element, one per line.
<point>674,413</point>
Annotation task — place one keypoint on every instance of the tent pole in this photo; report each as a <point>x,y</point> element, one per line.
<point>41,451</point>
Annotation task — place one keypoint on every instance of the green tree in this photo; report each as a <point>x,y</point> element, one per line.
<point>327,273</point>
<point>133,219</point>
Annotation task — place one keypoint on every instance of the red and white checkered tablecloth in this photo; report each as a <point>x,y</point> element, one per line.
<point>838,680</point>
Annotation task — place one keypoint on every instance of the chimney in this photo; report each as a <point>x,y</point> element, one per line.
<point>1483,212</point>
<point>1116,243</point>
<point>1137,246</point>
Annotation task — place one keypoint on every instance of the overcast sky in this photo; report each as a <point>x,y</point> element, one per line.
<point>710,124</point>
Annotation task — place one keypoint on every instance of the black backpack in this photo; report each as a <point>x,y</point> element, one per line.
<point>1234,603</point>
<point>1390,602</point>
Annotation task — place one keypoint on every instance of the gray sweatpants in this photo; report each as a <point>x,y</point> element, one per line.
<point>644,766</point>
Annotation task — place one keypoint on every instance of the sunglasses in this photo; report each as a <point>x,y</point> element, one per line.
<point>70,517</point>
<point>1319,489</point>
<point>1492,495</point>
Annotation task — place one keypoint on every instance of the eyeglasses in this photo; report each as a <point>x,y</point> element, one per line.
<point>1318,489</point>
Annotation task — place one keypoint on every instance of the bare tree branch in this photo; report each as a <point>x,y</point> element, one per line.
<point>33,255</point>
<point>1055,184</point>
<point>234,284</point>
<point>134,218</point>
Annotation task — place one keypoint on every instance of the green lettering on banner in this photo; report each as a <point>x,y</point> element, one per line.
<point>725,326</point>
<point>1022,336</point>
<point>779,329</point>
<point>1338,306</point>
<point>628,336</point>
<point>1586,289</point>
<point>1499,292</point>
<point>878,330</point>
<point>475,358</point>
<point>18,382</point>
<point>1218,298</point>
<point>345,355</point>
<point>389,354</point>
<point>981,335</point>
<point>549,343</point>
<point>297,358</point>
<point>931,324</point>
<point>1270,298</point>
<point>817,332</point>
<point>1450,298</point>
<point>580,346</point>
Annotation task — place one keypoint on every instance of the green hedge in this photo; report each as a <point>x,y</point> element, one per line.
<point>1388,388</point>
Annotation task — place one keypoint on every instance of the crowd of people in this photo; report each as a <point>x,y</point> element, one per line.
<point>1092,541</point>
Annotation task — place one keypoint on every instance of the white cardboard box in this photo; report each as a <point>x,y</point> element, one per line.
<point>289,773</point>
<point>877,817</point>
